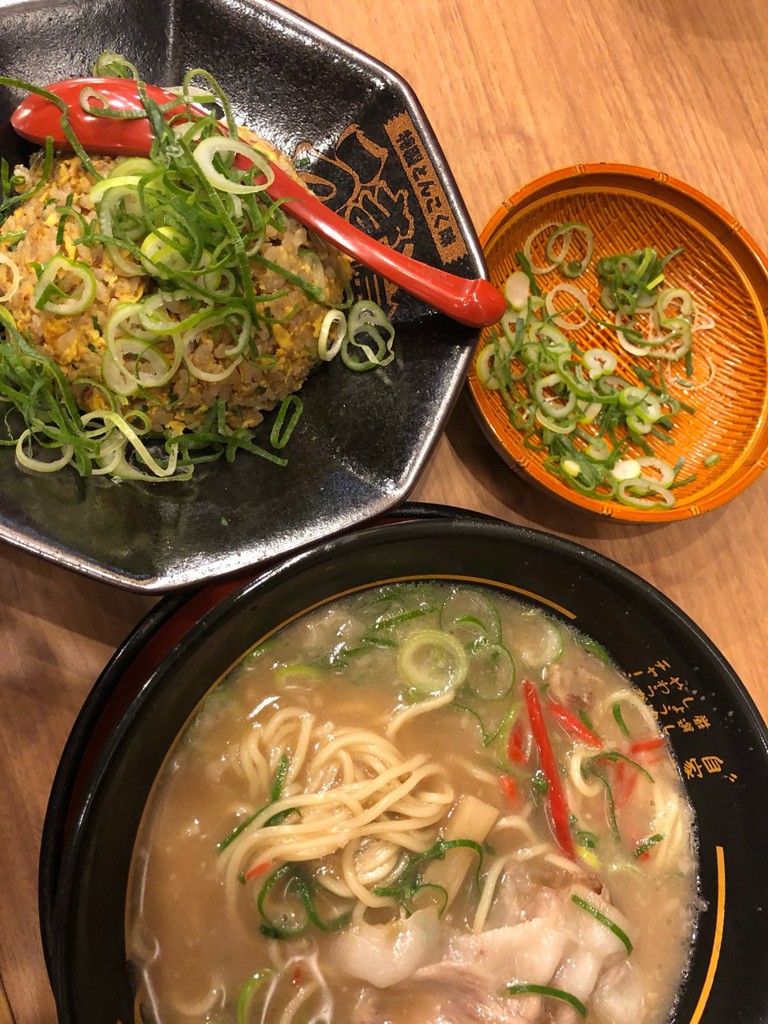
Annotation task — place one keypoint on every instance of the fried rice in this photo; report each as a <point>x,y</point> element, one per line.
<point>283,346</point>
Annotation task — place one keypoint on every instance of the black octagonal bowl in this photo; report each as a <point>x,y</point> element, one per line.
<point>362,142</point>
<point>145,696</point>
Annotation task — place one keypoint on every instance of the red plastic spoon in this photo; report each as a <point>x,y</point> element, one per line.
<point>475,303</point>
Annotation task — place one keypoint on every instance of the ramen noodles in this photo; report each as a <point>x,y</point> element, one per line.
<point>424,803</point>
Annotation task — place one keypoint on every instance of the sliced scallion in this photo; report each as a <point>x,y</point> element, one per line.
<point>15,276</point>
<point>647,844</point>
<point>288,416</point>
<point>50,295</point>
<point>619,719</point>
<point>550,992</point>
<point>294,882</point>
<point>367,326</point>
<point>247,992</point>
<point>334,323</point>
<point>206,152</point>
<point>575,406</point>
<point>433,661</point>
<point>609,924</point>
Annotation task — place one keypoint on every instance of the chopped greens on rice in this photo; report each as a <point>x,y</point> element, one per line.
<point>155,309</point>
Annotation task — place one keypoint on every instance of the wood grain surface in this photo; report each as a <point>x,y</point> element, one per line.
<point>513,89</point>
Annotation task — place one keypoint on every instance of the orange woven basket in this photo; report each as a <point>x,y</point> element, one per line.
<point>629,208</point>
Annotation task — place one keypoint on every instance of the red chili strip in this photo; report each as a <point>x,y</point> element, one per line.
<point>509,788</point>
<point>258,869</point>
<point>625,782</point>
<point>574,725</point>
<point>515,750</point>
<point>645,746</point>
<point>558,808</point>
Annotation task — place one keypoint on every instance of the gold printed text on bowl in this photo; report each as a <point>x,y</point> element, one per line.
<point>680,710</point>
<point>427,188</point>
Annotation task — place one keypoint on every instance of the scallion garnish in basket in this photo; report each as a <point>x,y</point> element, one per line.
<point>631,281</point>
<point>598,424</point>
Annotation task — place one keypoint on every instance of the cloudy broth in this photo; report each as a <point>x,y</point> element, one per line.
<point>421,803</point>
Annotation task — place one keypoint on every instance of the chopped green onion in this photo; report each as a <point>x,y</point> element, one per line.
<point>587,444</point>
<point>593,647</point>
<point>366,320</point>
<point>408,884</point>
<point>609,924</point>
<point>491,671</point>
<point>248,991</point>
<point>530,266</point>
<point>587,840</point>
<point>573,267</point>
<point>631,280</point>
<point>626,469</point>
<point>281,432</point>
<point>517,288</point>
<point>539,784</point>
<point>292,877</point>
<point>328,348</point>
<point>433,661</point>
<point>644,494</point>
<point>276,792</point>
<point>558,316</point>
<point>48,295</point>
<point>524,262</point>
<point>12,288</point>
<point>113,65</point>
<point>646,844</point>
<point>610,802</point>
<point>206,152</point>
<point>584,717</point>
<point>550,992</point>
<point>619,719</point>
<point>614,755</point>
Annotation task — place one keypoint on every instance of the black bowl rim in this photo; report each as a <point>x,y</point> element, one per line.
<point>454,521</point>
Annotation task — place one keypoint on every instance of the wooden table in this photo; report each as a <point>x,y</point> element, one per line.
<point>513,88</point>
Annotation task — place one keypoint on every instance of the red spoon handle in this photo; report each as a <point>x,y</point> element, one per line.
<point>474,302</point>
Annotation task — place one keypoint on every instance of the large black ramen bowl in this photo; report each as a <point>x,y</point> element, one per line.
<point>147,693</point>
<point>363,143</point>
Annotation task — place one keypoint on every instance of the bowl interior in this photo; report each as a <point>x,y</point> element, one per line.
<point>629,209</point>
<point>714,729</point>
<point>364,145</point>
